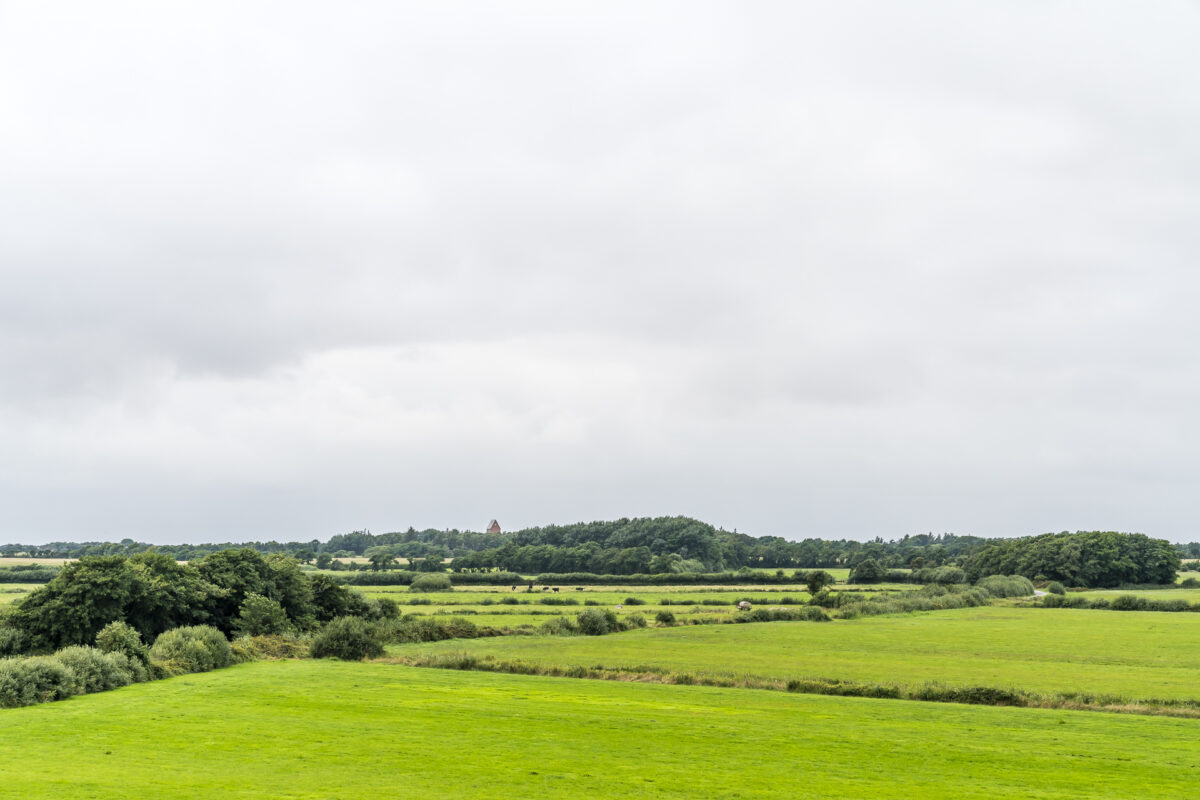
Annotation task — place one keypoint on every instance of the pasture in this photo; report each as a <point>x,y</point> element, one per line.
<point>10,592</point>
<point>1135,655</point>
<point>320,729</point>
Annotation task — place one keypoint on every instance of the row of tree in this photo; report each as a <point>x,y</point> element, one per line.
<point>1085,558</point>
<point>154,593</point>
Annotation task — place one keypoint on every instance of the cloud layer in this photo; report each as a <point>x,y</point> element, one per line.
<point>834,269</point>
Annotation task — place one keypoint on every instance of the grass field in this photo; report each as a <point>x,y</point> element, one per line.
<point>1191,595</point>
<point>14,591</point>
<point>319,729</point>
<point>10,561</point>
<point>1139,655</point>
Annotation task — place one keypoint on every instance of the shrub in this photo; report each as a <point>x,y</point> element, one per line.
<point>635,621</point>
<point>195,648</point>
<point>13,642</point>
<point>267,648</point>
<point>1006,586</point>
<point>347,638</point>
<point>1189,583</point>
<point>431,582</point>
<point>1056,588</point>
<point>508,601</point>
<point>664,618</point>
<point>97,671</point>
<point>634,601</point>
<point>389,609</point>
<point>1128,602</point>
<point>120,637</point>
<point>260,616</point>
<point>558,626</point>
<point>26,681</point>
<point>597,622</point>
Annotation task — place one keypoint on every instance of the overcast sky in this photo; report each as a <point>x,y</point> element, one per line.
<point>284,270</point>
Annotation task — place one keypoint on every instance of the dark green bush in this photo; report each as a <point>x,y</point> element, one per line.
<point>13,642</point>
<point>664,618</point>
<point>347,638</point>
<point>195,648</point>
<point>634,601</point>
<point>635,621</point>
<point>1054,587</point>
<point>260,616</point>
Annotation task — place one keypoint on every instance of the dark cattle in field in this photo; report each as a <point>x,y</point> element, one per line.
<point>555,589</point>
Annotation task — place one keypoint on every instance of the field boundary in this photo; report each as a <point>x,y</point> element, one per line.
<point>929,692</point>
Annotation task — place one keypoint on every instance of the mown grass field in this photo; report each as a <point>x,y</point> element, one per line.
<point>1137,655</point>
<point>321,729</point>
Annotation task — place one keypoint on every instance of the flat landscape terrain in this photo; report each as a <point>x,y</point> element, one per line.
<point>1135,655</point>
<point>321,729</point>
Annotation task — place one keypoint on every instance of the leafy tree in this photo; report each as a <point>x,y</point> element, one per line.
<point>867,571</point>
<point>817,580</point>
<point>381,561</point>
<point>304,556</point>
<point>323,560</point>
<point>260,616</point>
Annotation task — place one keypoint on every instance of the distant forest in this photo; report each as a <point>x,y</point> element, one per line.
<point>617,547</point>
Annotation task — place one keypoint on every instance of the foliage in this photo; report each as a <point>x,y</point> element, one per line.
<point>867,571</point>
<point>196,648</point>
<point>347,638</point>
<point>96,670</point>
<point>597,622</point>
<point>40,679</point>
<point>1092,559</point>
<point>260,616</point>
<point>148,591</point>
<point>664,617</point>
<point>817,580</point>
<point>1006,585</point>
<point>1056,588</point>
<point>120,637</point>
<point>266,648</point>
<point>432,582</point>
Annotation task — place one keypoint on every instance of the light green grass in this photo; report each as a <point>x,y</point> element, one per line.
<point>1191,595</point>
<point>1139,655</point>
<point>318,729</point>
<point>11,592</point>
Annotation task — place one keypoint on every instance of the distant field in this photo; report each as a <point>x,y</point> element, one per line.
<point>1183,576</point>
<point>320,729</point>
<point>1192,595</point>
<point>13,591</point>
<point>1133,654</point>
<point>6,561</point>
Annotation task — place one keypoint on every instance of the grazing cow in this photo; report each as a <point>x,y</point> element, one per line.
<point>579,588</point>
<point>555,588</point>
<point>514,588</point>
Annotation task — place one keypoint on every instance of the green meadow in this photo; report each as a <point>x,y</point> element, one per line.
<point>1134,655</point>
<point>322,729</point>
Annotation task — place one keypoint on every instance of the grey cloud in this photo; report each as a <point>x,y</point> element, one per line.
<point>847,268</point>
